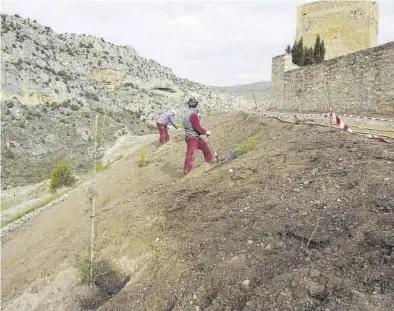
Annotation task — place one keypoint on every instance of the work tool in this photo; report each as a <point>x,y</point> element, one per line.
<point>216,155</point>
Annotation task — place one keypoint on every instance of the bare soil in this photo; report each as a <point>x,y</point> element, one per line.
<point>304,222</point>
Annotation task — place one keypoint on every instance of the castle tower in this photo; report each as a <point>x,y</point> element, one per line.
<point>345,26</point>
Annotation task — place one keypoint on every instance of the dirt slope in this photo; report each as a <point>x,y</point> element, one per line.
<point>218,240</point>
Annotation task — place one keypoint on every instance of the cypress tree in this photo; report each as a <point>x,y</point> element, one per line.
<point>322,50</point>
<point>304,56</point>
<point>300,52</point>
<point>316,50</point>
<point>294,53</point>
<point>312,60</point>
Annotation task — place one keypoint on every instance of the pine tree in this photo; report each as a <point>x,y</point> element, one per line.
<point>288,49</point>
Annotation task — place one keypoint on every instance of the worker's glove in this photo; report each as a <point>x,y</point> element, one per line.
<point>208,133</point>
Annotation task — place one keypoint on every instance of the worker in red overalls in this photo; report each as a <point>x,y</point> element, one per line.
<point>162,125</point>
<point>193,131</point>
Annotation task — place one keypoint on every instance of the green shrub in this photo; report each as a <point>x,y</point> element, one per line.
<point>248,145</point>
<point>100,167</point>
<point>152,127</point>
<point>9,154</point>
<point>62,175</point>
<point>143,158</point>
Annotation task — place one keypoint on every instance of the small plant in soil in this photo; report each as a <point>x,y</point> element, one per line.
<point>143,158</point>
<point>101,168</point>
<point>246,146</point>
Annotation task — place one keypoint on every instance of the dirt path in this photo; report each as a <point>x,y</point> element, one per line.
<point>219,240</point>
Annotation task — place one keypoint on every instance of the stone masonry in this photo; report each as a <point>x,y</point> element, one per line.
<point>357,82</point>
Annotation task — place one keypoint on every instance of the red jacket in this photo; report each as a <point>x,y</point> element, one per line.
<point>192,124</point>
<point>196,124</point>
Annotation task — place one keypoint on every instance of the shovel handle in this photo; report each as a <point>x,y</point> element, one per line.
<point>216,155</point>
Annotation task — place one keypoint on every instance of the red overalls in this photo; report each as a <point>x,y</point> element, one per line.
<point>195,142</point>
<point>163,131</point>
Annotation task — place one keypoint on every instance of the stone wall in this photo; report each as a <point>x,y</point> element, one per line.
<point>357,82</point>
<point>345,26</point>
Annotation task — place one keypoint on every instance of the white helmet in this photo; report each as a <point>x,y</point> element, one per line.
<point>192,102</point>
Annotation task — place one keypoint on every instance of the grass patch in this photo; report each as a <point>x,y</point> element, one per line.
<point>385,110</point>
<point>246,146</point>
<point>6,204</point>
<point>31,209</point>
<point>101,168</point>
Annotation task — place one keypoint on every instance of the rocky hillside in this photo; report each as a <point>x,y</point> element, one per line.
<point>53,84</point>
<point>260,90</point>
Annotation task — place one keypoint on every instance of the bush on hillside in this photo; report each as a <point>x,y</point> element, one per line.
<point>248,145</point>
<point>62,175</point>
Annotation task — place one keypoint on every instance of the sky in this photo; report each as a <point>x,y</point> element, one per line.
<point>212,42</point>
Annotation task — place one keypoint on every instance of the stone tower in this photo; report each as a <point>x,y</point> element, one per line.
<point>345,26</point>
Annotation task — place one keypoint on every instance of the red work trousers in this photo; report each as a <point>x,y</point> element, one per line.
<point>163,131</point>
<point>194,143</point>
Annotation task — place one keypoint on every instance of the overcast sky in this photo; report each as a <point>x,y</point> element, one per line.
<point>212,42</point>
